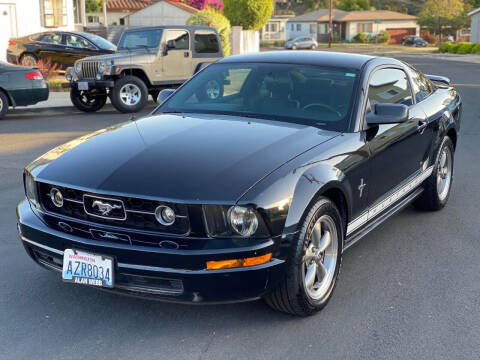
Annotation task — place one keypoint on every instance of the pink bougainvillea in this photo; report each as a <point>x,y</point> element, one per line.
<point>202,4</point>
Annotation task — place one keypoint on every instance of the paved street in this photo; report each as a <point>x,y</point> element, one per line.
<point>409,290</point>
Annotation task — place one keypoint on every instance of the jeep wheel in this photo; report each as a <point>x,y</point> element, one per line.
<point>88,101</point>
<point>129,94</point>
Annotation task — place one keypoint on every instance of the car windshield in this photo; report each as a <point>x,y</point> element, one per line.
<point>305,94</point>
<point>140,39</point>
<point>100,42</point>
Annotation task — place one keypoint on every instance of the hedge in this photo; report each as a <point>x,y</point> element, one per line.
<point>460,48</point>
<point>360,38</point>
<point>249,14</point>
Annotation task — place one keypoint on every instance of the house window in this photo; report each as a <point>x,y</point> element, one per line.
<point>93,19</point>
<point>299,27</point>
<point>365,27</point>
<point>292,27</point>
<point>274,27</point>
<point>313,29</point>
<point>323,28</point>
<point>54,13</point>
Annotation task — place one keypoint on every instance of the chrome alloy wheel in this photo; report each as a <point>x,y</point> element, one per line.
<point>320,260</point>
<point>444,173</point>
<point>1,104</point>
<point>130,94</point>
<point>213,89</point>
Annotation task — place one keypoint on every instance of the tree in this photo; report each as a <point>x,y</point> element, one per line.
<point>442,15</point>
<point>353,5</point>
<point>249,14</point>
<point>93,6</point>
<point>211,17</point>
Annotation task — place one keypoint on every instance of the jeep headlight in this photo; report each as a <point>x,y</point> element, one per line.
<point>31,190</point>
<point>102,67</point>
<point>78,67</point>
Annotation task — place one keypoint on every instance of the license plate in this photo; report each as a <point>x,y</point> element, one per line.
<point>87,269</point>
<point>82,85</point>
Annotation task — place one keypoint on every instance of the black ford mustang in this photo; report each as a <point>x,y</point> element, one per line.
<point>248,181</point>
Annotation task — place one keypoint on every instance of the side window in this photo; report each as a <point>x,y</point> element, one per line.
<point>422,87</point>
<point>77,42</point>
<point>389,86</point>
<point>206,43</point>
<point>50,38</point>
<point>180,37</point>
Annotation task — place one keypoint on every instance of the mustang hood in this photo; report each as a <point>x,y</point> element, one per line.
<point>191,158</point>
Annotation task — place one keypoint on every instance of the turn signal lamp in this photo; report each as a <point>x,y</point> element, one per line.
<point>236,263</point>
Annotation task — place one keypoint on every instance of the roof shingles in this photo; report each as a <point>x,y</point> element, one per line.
<point>345,16</point>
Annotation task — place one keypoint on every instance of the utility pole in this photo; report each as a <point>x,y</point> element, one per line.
<point>105,14</point>
<point>330,34</point>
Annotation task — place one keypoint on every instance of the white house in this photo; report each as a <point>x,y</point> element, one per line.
<point>475,27</point>
<point>23,17</point>
<point>163,12</point>
<point>275,29</point>
<point>347,24</point>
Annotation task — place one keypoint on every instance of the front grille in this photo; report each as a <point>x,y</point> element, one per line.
<point>89,69</point>
<point>139,213</point>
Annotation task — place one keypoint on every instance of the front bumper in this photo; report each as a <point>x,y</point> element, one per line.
<point>142,271</point>
<point>94,84</point>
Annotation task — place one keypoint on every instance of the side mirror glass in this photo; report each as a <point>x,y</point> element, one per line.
<point>164,95</point>
<point>387,114</point>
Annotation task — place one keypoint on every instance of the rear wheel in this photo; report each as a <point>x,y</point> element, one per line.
<point>28,60</point>
<point>313,270</point>
<point>129,94</point>
<point>3,104</point>
<point>438,185</point>
<point>88,101</point>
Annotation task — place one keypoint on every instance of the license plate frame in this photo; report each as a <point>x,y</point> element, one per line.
<point>83,85</point>
<point>84,268</point>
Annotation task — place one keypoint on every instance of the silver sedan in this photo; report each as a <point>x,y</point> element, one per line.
<point>301,43</point>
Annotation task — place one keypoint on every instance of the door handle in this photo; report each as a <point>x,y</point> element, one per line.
<point>422,125</point>
<point>186,54</point>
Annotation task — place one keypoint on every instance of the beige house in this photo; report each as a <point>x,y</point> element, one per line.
<point>347,24</point>
<point>163,12</point>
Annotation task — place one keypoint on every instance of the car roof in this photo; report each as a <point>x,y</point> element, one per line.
<point>320,58</point>
<point>188,27</point>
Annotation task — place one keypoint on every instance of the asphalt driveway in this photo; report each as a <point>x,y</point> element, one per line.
<point>409,290</point>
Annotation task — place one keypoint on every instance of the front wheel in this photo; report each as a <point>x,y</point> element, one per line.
<point>438,185</point>
<point>129,94</point>
<point>313,270</point>
<point>88,101</point>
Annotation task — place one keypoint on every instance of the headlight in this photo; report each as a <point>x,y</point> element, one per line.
<point>102,67</point>
<point>234,221</point>
<point>78,67</point>
<point>31,190</point>
<point>243,220</point>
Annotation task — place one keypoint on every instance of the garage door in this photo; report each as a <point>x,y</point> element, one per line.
<point>397,35</point>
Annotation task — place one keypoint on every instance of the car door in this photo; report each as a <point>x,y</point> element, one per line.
<point>177,55</point>
<point>50,46</point>
<point>76,48</point>
<point>397,150</point>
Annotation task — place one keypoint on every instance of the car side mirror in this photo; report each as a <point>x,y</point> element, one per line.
<point>164,95</point>
<point>387,114</point>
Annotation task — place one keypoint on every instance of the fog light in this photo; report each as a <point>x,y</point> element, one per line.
<point>57,197</point>
<point>165,215</point>
<point>235,263</point>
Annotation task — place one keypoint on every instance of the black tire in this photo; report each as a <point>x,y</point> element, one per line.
<point>3,104</point>
<point>137,85</point>
<point>430,199</point>
<point>88,101</point>
<point>290,295</point>
<point>28,60</point>
<point>154,95</point>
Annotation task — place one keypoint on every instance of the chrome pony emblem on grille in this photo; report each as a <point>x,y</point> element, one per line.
<point>105,208</point>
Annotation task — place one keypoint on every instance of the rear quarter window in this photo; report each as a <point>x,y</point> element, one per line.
<point>206,43</point>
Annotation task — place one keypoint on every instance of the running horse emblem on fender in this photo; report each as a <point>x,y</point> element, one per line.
<point>105,208</point>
